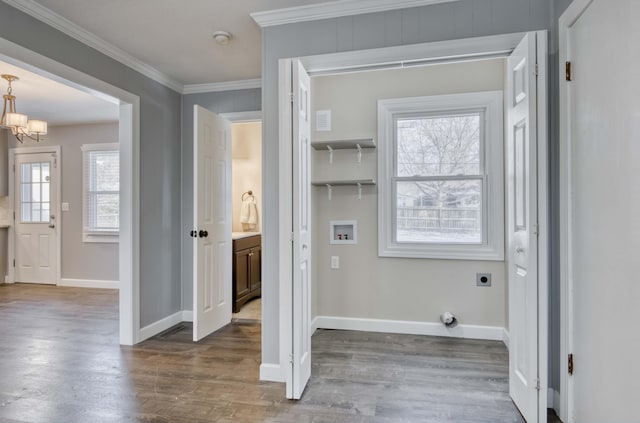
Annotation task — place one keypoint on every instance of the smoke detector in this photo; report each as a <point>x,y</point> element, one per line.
<point>222,37</point>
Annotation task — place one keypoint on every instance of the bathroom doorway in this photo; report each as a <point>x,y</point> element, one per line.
<point>246,194</point>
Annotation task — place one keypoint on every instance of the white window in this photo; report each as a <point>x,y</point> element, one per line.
<point>440,173</point>
<point>101,192</point>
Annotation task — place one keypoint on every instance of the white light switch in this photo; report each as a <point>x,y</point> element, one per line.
<point>335,262</point>
<point>65,206</point>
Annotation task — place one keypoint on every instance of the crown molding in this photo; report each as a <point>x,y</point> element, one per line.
<point>333,9</point>
<point>69,28</point>
<point>245,84</point>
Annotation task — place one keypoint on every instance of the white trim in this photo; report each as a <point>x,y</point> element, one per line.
<point>413,54</point>
<point>333,9</point>
<point>13,152</point>
<point>567,20</point>
<point>491,333</point>
<point>244,84</point>
<point>491,104</point>
<point>187,315</point>
<point>238,117</point>
<point>69,28</point>
<point>505,337</point>
<point>314,325</point>
<point>161,325</point>
<point>271,373</point>
<point>543,222</point>
<point>88,283</point>
<point>129,140</point>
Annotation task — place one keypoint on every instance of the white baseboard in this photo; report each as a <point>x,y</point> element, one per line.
<point>271,373</point>
<point>88,283</point>
<point>493,333</point>
<point>314,325</point>
<point>505,337</point>
<point>187,315</point>
<point>159,326</point>
<point>553,400</point>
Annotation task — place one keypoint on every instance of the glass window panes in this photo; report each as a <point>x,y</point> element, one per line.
<point>35,192</point>
<point>102,195</point>
<point>438,145</point>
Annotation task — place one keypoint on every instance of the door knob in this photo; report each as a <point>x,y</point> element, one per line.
<point>203,234</point>
<point>519,250</point>
<point>51,226</point>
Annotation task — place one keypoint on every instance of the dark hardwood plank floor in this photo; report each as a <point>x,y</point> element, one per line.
<point>60,362</point>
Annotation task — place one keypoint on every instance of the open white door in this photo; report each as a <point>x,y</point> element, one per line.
<point>522,229</point>
<point>299,375</point>
<point>212,223</point>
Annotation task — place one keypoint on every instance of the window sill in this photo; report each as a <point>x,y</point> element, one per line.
<point>101,238</point>
<point>442,252</point>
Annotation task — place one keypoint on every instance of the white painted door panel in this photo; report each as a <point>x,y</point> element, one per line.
<point>36,255</point>
<point>301,232</point>
<point>605,204</point>
<point>212,295</point>
<point>521,227</point>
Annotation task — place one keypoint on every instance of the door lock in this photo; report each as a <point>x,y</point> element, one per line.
<point>193,234</point>
<point>51,226</point>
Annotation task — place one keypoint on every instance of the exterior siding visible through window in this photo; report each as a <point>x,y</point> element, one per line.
<point>101,192</point>
<point>440,171</point>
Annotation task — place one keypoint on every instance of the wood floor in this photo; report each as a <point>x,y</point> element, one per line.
<point>60,363</point>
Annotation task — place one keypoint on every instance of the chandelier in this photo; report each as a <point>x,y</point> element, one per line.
<point>19,125</point>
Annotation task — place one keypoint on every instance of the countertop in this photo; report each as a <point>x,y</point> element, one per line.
<point>240,235</point>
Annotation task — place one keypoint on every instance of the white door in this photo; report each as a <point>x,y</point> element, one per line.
<point>36,242</point>
<point>301,288</point>
<point>212,223</point>
<point>604,204</point>
<point>522,249</point>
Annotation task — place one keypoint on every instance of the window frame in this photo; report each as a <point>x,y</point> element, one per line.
<point>103,236</point>
<point>490,105</point>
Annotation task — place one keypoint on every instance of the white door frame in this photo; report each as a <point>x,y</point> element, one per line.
<point>566,22</point>
<point>402,56</point>
<point>129,139</point>
<point>11,244</point>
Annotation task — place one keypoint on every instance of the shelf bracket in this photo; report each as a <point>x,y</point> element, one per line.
<point>330,154</point>
<point>359,154</point>
<point>359,191</point>
<point>329,190</point>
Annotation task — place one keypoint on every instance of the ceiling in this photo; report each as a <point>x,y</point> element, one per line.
<point>58,104</point>
<point>175,37</point>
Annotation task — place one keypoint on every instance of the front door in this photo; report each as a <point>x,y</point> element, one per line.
<point>212,262</point>
<point>36,242</point>
<point>522,249</point>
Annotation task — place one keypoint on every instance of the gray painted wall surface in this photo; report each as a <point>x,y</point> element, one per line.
<point>217,102</point>
<point>160,123</point>
<point>462,19</point>
<point>80,260</point>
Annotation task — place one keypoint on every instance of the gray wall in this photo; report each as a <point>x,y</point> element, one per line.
<point>465,18</point>
<point>80,260</point>
<point>160,123</point>
<point>217,102</point>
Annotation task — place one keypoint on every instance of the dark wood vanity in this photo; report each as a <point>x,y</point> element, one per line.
<point>247,264</point>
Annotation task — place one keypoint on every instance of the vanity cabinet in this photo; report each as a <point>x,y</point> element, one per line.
<point>247,262</point>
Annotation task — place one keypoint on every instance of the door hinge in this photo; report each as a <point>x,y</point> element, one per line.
<point>536,229</point>
<point>537,70</point>
<point>567,70</point>
<point>291,237</point>
<point>290,358</point>
<point>14,262</point>
<point>538,387</point>
<point>570,364</point>
<point>291,97</point>
<point>14,215</point>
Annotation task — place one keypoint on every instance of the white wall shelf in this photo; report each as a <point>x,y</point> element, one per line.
<point>353,144</point>
<point>347,182</point>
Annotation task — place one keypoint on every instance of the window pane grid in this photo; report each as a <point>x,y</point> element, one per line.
<point>35,193</point>
<point>102,195</point>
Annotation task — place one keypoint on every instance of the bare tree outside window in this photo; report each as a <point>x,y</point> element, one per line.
<point>439,181</point>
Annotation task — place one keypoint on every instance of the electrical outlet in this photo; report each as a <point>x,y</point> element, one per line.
<point>335,262</point>
<point>483,279</point>
<point>65,206</point>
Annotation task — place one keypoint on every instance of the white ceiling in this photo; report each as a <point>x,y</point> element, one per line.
<point>176,37</point>
<point>58,104</point>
